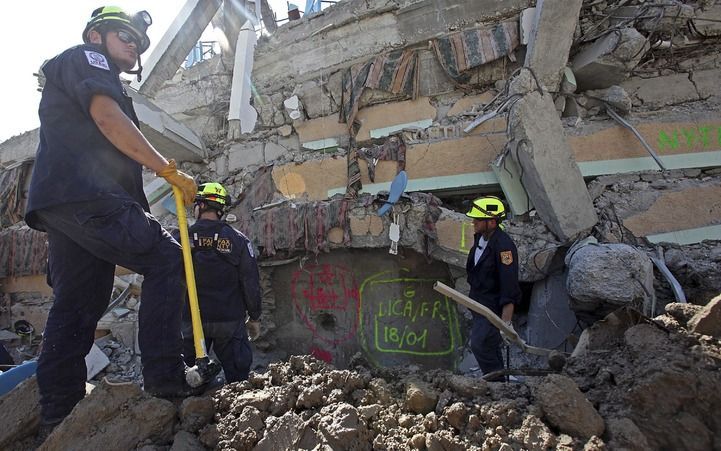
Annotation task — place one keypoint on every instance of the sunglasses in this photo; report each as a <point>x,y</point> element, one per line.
<point>127,38</point>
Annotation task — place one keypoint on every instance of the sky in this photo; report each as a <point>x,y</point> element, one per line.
<point>32,32</point>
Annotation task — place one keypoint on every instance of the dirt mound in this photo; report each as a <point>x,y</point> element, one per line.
<point>636,384</point>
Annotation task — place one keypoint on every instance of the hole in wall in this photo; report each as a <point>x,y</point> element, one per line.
<point>327,321</point>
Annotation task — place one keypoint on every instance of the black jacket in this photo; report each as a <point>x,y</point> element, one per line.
<point>226,273</point>
<point>494,279</point>
<point>75,162</point>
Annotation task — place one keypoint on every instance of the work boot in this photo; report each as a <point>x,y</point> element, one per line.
<point>46,428</point>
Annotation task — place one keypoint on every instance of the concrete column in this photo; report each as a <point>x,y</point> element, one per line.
<point>175,44</point>
<point>550,42</point>
<point>241,115</point>
<point>549,171</point>
<point>235,15</point>
<point>551,176</point>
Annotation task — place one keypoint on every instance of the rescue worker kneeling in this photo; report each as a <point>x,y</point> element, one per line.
<point>228,285</point>
<point>492,268</point>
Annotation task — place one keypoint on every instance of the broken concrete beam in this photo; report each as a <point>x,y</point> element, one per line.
<point>20,413</point>
<point>174,46</point>
<point>551,176</point>
<point>168,136</point>
<point>551,39</point>
<point>609,60</point>
<point>419,21</point>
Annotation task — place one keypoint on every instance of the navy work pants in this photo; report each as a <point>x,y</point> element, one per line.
<point>229,340</point>
<point>86,240</point>
<point>486,344</point>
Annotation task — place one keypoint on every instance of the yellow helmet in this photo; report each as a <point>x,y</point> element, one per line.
<point>212,193</point>
<point>114,17</point>
<point>487,207</point>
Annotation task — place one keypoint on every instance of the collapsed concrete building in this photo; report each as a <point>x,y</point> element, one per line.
<point>596,121</point>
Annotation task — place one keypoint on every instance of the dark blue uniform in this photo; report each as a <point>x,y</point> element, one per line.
<point>494,283</point>
<point>88,197</point>
<point>228,285</point>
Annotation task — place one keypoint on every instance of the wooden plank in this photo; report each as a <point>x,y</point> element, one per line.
<point>509,332</point>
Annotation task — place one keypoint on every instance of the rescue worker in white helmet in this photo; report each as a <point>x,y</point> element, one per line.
<point>228,285</point>
<point>86,192</point>
<point>492,268</point>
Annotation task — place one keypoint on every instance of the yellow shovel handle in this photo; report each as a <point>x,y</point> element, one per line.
<point>198,336</point>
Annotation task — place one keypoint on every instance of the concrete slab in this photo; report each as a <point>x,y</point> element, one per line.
<point>551,39</point>
<point>551,176</point>
<point>550,318</point>
<point>467,103</point>
<point>168,136</point>
<point>243,155</point>
<point>657,92</point>
<point>174,46</point>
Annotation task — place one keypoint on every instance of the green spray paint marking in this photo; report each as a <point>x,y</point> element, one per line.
<point>463,247</point>
<point>409,337</point>
<point>690,137</point>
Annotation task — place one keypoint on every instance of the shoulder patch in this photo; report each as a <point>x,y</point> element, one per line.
<point>250,249</point>
<point>506,257</point>
<point>224,245</point>
<point>96,59</point>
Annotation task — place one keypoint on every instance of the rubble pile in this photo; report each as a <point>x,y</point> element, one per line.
<point>631,383</point>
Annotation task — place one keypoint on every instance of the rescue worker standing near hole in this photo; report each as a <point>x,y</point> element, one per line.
<point>228,285</point>
<point>492,268</point>
<point>86,192</point>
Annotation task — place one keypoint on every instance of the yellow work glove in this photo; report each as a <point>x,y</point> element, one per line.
<point>180,179</point>
<point>253,328</point>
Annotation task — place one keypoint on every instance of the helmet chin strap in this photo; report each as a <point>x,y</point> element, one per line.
<point>137,72</point>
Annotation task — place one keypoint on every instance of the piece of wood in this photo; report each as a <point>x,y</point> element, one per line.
<point>509,332</point>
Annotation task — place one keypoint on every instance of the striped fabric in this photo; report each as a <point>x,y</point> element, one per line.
<point>468,49</point>
<point>394,72</point>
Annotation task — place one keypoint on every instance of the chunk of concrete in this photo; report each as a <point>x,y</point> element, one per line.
<point>604,277</point>
<point>551,39</point>
<point>551,176</point>
<point>567,409</point>
<point>20,413</point>
<point>708,320</point>
<point>122,416</point>
<point>420,398</point>
<point>609,60</point>
<point>615,96</point>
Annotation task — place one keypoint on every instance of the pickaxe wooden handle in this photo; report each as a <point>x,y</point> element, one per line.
<point>509,332</point>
